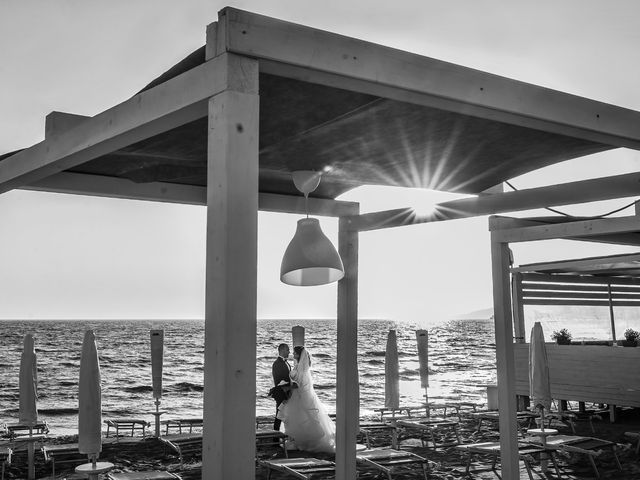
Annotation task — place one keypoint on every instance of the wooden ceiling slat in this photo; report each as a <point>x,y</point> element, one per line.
<point>578,279</point>
<point>581,303</point>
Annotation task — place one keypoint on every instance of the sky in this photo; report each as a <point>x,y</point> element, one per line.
<point>76,257</point>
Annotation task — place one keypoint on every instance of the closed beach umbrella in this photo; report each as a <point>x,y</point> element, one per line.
<point>297,333</point>
<point>539,384</point>
<point>422,337</point>
<point>27,387</point>
<point>28,413</point>
<point>157,348</point>
<point>391,372</point>
<point>89,399</point>
<point>157,354</point>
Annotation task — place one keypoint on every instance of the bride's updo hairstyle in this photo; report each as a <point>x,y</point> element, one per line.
<point>299,350</point>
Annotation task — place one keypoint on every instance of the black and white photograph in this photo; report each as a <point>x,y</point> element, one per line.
<point>319,240</point>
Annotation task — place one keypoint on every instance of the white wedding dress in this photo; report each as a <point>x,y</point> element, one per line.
<point>305,418</point>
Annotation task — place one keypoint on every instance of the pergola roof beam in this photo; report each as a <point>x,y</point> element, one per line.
<point>610,260</point>
<point>443,85</point>
<point>571,230</point>
<point>579,279</point>
<point>584,191</point>
<point>111,187</point>
<point>170,104</point>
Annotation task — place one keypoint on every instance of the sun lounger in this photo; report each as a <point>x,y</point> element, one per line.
<point>5,459</point>
<point>392,413</point>
<point>150,475</point>
<point>526,452</point>
<point>62,454</point>
<point>263,421</point>
<point>443,409</point>
<point>182,425</point>
<point>184,445</point>
<point>384,459</point>
<point>187,444</point>
<point>524,419</point>
<point>589,446</point>
<point>369,428</point>
<point>573,418</point>
<point>636,437</point>
<point>22,429</point>
<point>265,438</point>
<point>302,468</point>
<point>128,426</point>
<point>426,429</point>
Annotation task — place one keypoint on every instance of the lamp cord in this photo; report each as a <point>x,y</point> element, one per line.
<point>306,204</point>
<point>559,212</point>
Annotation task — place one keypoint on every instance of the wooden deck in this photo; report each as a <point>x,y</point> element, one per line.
<point>587,373</point>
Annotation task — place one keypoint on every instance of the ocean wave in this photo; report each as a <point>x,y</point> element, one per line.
<point>58,411</point>
<point>325,386</point>
<point>117,412</point>
<point>139,389</point>
<point>375,361</point>
<point>187,387</point>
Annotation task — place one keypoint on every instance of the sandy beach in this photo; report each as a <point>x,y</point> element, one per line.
<point>139,454</point>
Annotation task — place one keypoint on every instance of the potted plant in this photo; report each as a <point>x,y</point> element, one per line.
<point>631,338</point>
<point>562,337</point>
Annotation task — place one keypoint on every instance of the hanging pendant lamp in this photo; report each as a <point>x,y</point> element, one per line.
<point>310,259</point>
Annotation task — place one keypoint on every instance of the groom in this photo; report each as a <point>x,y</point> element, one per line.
<point>280,371</point>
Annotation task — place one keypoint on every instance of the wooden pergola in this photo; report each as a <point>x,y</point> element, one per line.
<point>589,373</point>
<point>606,281</point>
<point>225,128</point>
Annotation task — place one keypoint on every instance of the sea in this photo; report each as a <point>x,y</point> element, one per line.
<point>461,364</point>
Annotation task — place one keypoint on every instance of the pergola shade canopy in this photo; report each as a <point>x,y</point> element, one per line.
<point>357,138</point>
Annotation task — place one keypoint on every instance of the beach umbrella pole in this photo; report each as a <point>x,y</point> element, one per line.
<point>426,402</point>
<point>157,415</point>
<point>31,473</point>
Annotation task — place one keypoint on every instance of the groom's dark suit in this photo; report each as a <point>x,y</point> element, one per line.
<point>280,371</point>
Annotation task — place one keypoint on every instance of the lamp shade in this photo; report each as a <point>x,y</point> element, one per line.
<point>310,258</point>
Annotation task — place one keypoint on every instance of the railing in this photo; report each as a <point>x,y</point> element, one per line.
<point>586,373</point>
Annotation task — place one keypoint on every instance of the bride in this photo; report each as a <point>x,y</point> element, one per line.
<point>305,418</point>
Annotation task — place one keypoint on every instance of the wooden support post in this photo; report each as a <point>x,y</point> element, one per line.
<point>612,317</point>
<point>504,359</point>
<point>518,324</point>
<point>518,308</point>
<point>347,388</point>
<point>228,449</point>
